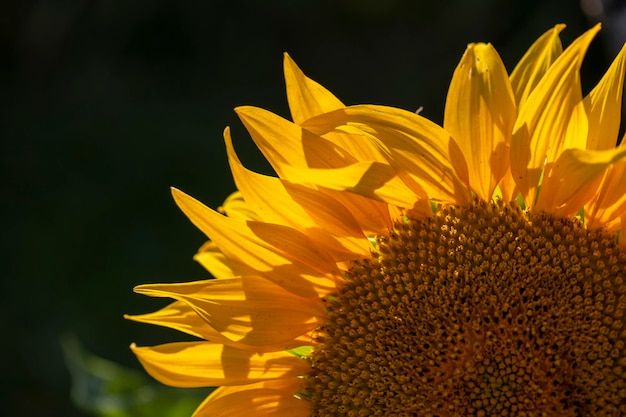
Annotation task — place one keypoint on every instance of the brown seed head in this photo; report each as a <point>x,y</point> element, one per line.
<point>481,310</point>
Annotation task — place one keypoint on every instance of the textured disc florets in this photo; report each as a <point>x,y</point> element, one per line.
<point>482,310</point>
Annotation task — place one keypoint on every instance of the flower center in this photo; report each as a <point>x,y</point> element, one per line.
<point>480,310</point>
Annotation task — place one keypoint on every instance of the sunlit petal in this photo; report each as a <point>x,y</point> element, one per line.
<point>480,113</point>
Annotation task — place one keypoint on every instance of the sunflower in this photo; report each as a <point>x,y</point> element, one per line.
<point>394,267</point>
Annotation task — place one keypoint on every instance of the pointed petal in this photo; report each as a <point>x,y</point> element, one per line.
<point>275,398</point>
<point>535,62</point>
<point>423,155</point>
<point>480,113</point>
<point>179,316</point>
<point>182,317</point>
<point>571,181</point>
<point>315,214</point>
<point>287,144</point>
<point>249,310</point>
<point>205,364</point>
<point>603,106</point>
<point>551,120</point>
<point>609,202</point>
<point>281,254</point>
<point>306,97</point>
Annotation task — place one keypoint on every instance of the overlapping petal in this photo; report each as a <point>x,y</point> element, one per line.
<point>183,317</point>
<point>551,120</point>
<point>423,155</point>
<point>281,254</point>
<point>244,309</point>
<point>316,214</point>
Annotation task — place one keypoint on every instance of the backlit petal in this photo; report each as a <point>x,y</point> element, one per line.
<point>480,113</point>
<point>205,364</point>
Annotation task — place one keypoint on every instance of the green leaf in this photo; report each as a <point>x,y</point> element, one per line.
<point>106,389</point>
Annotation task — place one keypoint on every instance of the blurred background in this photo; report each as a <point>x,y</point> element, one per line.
<point>106,104</point>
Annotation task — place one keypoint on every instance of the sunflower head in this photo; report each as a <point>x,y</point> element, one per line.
<point>395,267</point>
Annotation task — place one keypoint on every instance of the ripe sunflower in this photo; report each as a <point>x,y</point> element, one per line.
<point>399,268</point>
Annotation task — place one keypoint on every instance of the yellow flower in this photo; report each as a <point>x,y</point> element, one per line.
<point>395,267</point>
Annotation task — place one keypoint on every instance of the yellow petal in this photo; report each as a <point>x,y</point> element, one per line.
<point>236,207</point>
<point>373,180</point>
<point>306,97</point>
<point>274,398</point>
<point>205,364</point>
<point>609,202</point>
<point>179,316</point>
<point>218,264</point>
<point>373,216</point>
<point>571,181</point>
<point>603,106</point>
<point>535,62</point>
<point>423,155</point>
<point>315,214</point>
<point>279,253</point>
<point>249,310</point>
<point>287,144</point>
<point>551,120</point>
<point>182,317</point>
<point>480,113</point>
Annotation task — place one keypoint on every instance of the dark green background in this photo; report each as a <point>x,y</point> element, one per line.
<point>105,104</point>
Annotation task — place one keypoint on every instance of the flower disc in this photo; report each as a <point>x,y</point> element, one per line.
<point>479,310</point>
